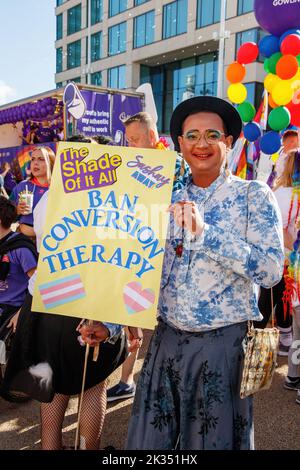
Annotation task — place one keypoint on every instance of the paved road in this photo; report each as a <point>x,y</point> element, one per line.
<point>277,419</point>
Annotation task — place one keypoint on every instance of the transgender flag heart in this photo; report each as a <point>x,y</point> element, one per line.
<point>136,299</point>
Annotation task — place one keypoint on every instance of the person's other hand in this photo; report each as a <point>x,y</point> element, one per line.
<point>135,338</point>
<point>187,215</point>
<point>288,239</point>
<point>93,333</point>
<point>13,321</point>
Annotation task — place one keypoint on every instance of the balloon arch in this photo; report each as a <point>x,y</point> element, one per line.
<point>281,52</point>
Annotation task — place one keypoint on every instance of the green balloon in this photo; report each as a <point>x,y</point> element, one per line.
<point>279,118</point>
<point>267,66</point>
<point>298,58</point>
<point>273,62</point>
<point>247,111</point>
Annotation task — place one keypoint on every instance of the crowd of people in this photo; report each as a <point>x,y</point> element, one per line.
<point>227,254</point>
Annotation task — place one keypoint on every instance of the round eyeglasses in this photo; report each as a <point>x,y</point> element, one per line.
<point>211,136</point>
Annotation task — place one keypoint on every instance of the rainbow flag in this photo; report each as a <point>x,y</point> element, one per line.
<point>241,170</point>
<point>261,116</point>
<point>24,158</point>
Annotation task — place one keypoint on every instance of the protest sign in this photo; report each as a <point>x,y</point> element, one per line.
<point>103,243</point>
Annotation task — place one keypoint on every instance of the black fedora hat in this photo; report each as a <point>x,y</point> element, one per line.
<point>212,104</point>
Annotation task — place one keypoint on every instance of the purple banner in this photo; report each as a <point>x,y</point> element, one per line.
<point>96,119</point>
<point>105,114</point>
<point>123,107</point>
<point>80,175</point>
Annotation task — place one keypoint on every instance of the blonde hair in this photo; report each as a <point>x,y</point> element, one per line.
<point>285,179</point>
<point>49,157</point>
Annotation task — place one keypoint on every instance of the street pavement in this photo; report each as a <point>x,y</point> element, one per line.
<point>276,418</point>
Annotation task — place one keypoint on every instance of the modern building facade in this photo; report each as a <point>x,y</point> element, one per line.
<point>124,43</point>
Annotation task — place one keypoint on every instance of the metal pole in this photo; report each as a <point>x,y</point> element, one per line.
<point>89,42</point>
<point>221,48</point>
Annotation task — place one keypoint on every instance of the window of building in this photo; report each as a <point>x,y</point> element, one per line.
<point>255,93</point>
<point>117,6</point>
<point>208,12</point>
<point>117,39</point>
<point>174,18</point>
<point>245,6</point>
<point>96,78</point>
<point>74,54</point>
<point>59,60</point>
<point>96,11</point>
<point>144,29</point>
<point>176,81</point>
<point>251,35</point>
<point>139,2</point>
<point>59,84</point>
<point>75,80</point>
<point>96,46</point>
<point>59,2</point>
<point>74,19</point>
<point>59,27</point>
<point>117,77</point>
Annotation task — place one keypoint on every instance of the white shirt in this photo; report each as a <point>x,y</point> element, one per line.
<point>284,197</point>
<point>39,219</point>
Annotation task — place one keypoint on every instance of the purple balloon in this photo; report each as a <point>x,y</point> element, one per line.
<point>276,16</point>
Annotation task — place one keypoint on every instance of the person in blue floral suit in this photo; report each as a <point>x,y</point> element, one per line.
<point>225,239</point>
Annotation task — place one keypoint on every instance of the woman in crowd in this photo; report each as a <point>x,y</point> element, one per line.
<point>289,206</point>
<point>27,193</point>
<point>286,292</point>
<point>47,360</point>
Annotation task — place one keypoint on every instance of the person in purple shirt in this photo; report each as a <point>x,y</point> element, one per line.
<point>9,178</point>
<point>45,133</point>
<point>41,165</point>
<point>18,261</point>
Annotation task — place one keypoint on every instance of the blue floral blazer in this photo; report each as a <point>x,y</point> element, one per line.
<point>215,281</point>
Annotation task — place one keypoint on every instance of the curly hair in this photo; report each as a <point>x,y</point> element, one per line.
<point>8,212</point>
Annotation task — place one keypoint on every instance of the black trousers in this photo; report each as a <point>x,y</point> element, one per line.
<point>265,306</point>
<point>7,311</point>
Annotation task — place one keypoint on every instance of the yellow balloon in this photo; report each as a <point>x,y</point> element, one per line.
<point>275,157</point>
<point>282,92</point>
<point>270,81</point>
<point>237,93</point>
<point>295,81</point>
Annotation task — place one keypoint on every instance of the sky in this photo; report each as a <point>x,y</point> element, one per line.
<point>27,52</point>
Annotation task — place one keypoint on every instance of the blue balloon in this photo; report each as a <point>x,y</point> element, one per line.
<point>270,143</point>
<point>287,33</point>
<point>269,45</point>
<point>252,131</point>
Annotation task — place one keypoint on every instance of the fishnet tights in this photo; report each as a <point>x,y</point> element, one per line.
<point>91,422</point>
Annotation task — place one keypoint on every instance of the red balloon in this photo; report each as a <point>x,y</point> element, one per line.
<point>247,53</point>
<point>294,108</point>
<point>291,44</point>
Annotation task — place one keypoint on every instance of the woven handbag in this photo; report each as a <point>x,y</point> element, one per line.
<point>260,357</point>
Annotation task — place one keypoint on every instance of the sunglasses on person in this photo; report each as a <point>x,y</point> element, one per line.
<point>211,136</point>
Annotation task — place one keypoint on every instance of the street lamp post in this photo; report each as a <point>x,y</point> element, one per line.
<point>88,75</point>
<point>221,36</point>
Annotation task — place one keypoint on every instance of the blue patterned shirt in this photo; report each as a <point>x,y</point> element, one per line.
<point>182,173</point>
<point>214,283</point>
